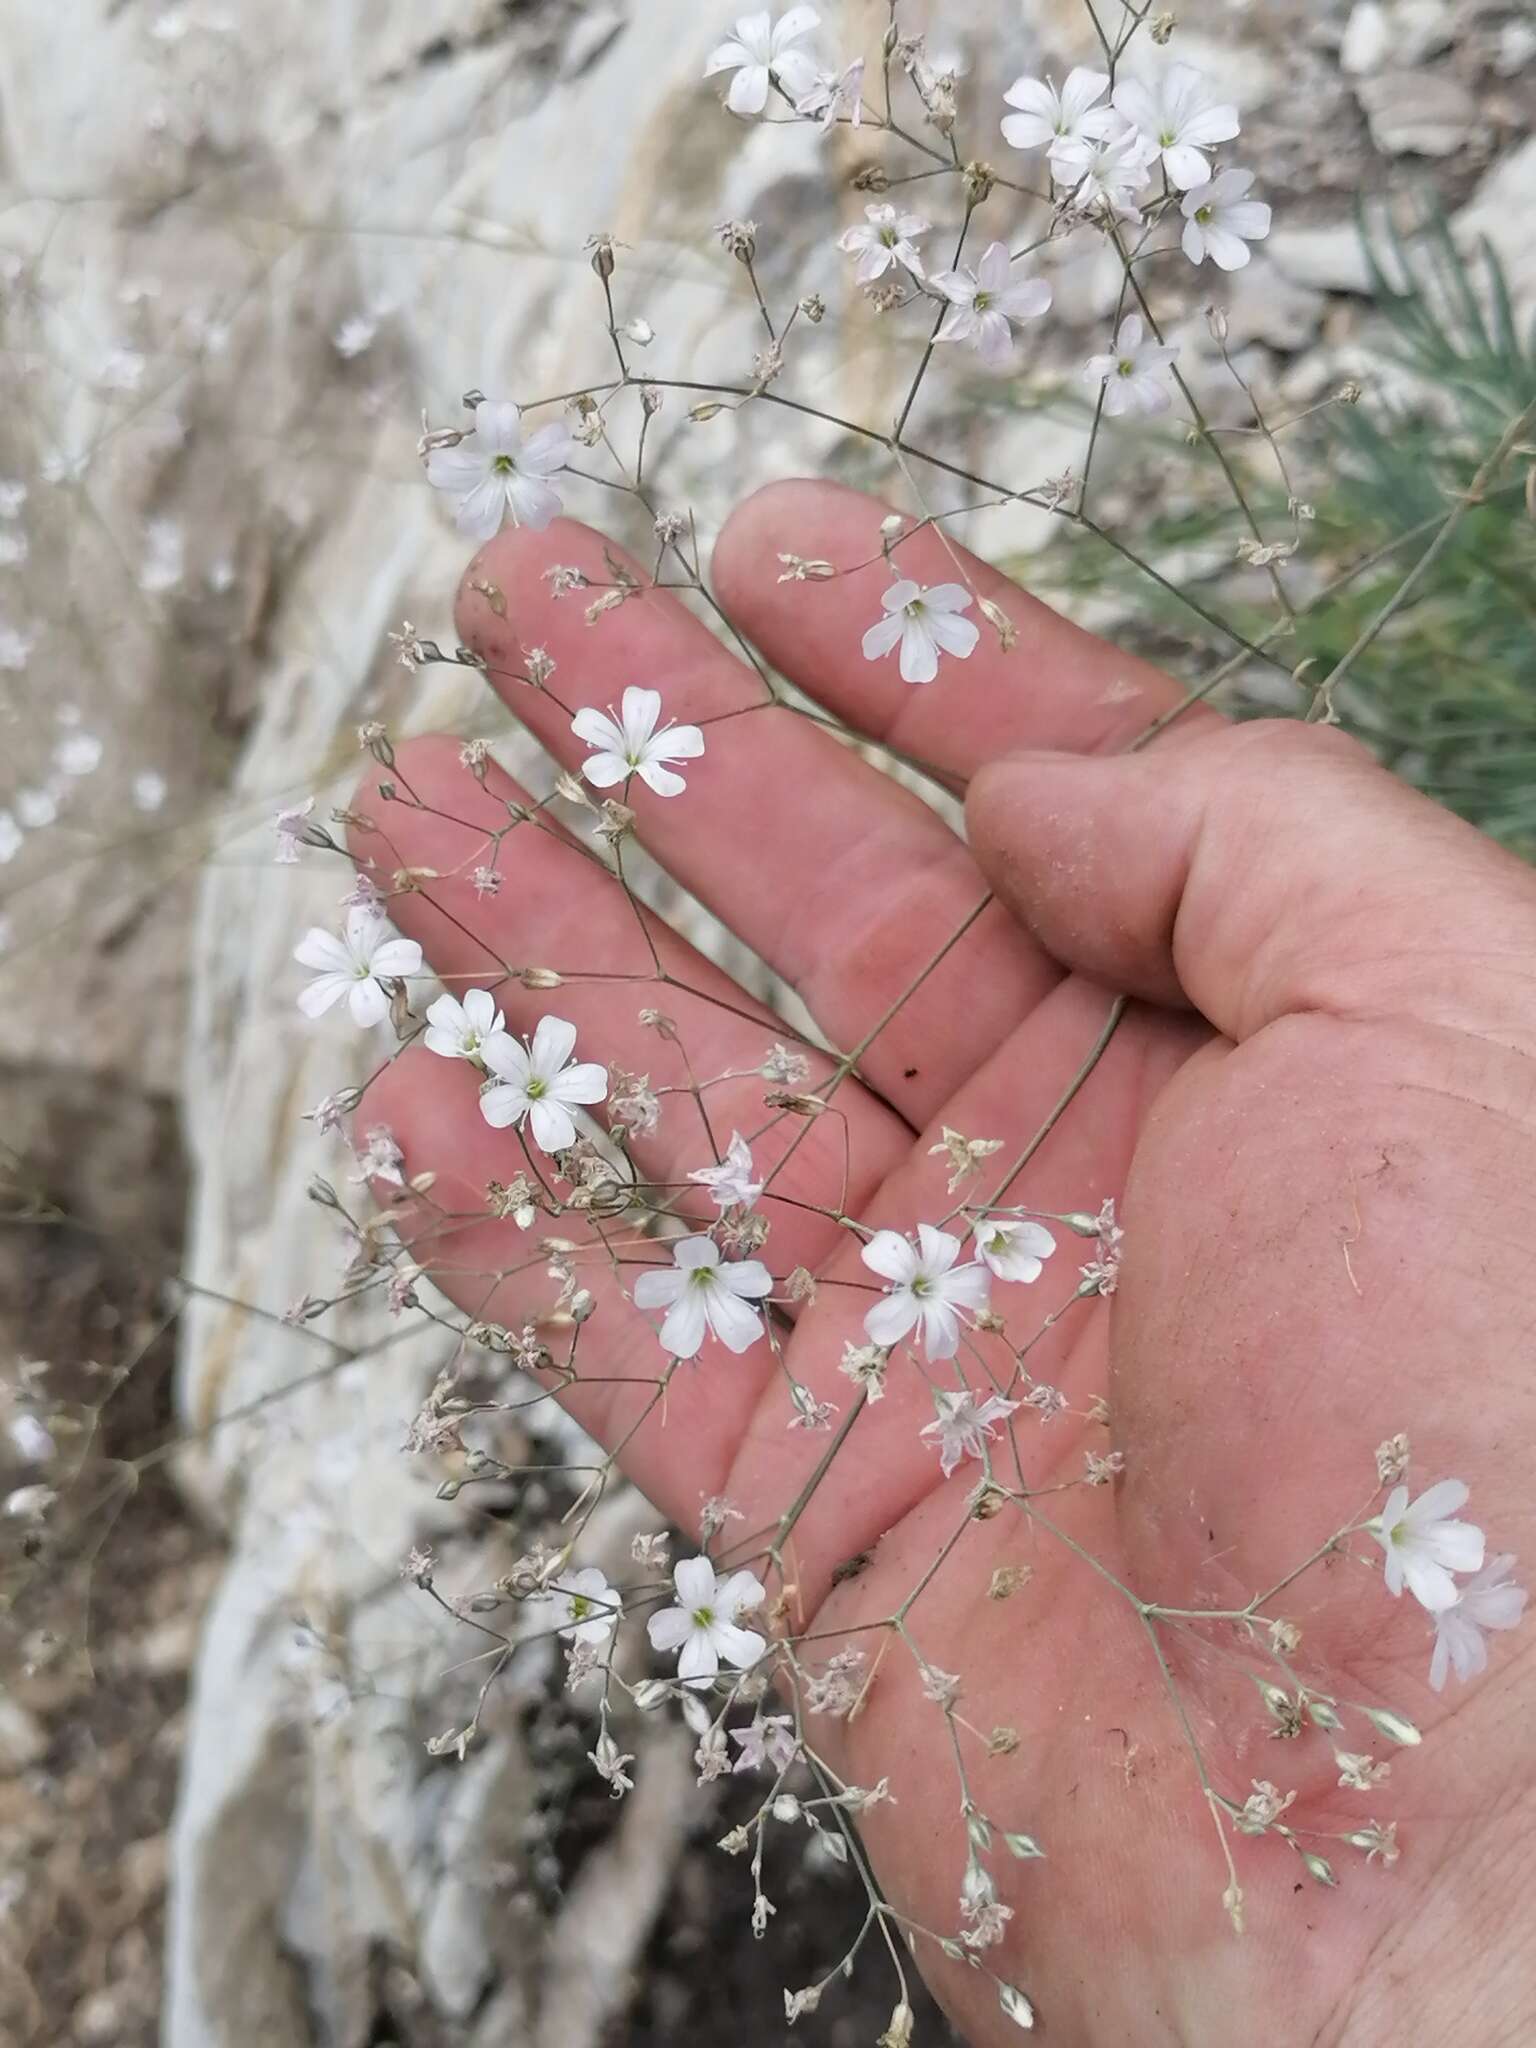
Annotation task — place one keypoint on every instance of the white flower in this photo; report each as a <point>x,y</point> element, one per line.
<point>835,93</point>
<point>1490,1600</point>
<point>1131,373</point>
<point>1220,220</point>
<point>585,1605</point>
<point>1424,1546</point>
<point>493,471</point>
<point>927,1288</point>
<point>631,745</point>
<point>761,49</point>
<point>458,1030</point>
<point>1048,117</point>
<point>987,301</point>
<point>702,1627</point>
<point>925,623</point>
<point>1105,171</point>
<point>965,1423</point>
<point>1175,114</point>
<point>1012,1247</point>
<point>887,237</point>
<point>703,1296</point>
<point>538,1082</point>
<point>730,1184</point>
<point>355,966</point>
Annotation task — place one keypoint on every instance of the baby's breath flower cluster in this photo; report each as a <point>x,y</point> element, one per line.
<point>938,1293</point>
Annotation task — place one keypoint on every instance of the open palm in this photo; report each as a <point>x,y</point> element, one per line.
<point>1318,1113</point>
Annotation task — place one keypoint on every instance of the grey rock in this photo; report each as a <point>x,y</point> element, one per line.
<point>1418,113</point>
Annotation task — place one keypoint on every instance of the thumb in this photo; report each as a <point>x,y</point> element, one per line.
<point>1257,870</point>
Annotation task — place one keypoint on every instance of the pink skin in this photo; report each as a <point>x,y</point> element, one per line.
<point>1321,1115</point>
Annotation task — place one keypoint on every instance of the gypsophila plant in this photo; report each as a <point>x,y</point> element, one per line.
<point>674,1214</point>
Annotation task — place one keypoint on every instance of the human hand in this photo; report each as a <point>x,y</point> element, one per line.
<point>1320,1111</point>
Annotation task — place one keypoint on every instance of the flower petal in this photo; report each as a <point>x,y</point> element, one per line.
<point>890,1255</point>
<point>684,1327</point>
<point>694,1579</point>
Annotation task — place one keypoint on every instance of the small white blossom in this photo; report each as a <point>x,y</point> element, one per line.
<point>539,1081</point>
<point>631,744</point>
<point>1220,220</point>
<point>924,623</point>
<point>1174,112</point>
<point>703,1628</point>
<point>379,1159</point>
<point>1131,375</point>
<point>834,94</point>
<point>585,1606</point>
<point>1012,1247</point>
<point>459,1030</point>
<point>982,1907</point>
<point>965,1424</point>
<point>609,1762</point>
<point>704,1296</point>
<point>1107,172</point>
<point>493,472</point>
<point>730,1184</point>
<point>1424,1545</point>
<point>760,50</point>
<point>927,1289</point>
<point>1047,117</point>
<point>987,302</point>
<point>355,966</point>
<point>1489,1600</point>
<point>887,237</point>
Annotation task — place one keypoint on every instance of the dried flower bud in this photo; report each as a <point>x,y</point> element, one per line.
<point>1007,1579</point>
<point>540,977</point>
<point>798,570</point>
<point>738,238</point>
<point>977,180</point>
<point>801,1105</point>
<point>871,178</point>
<point>659,1022</point>
<point>1007,632</point>
<point>1350,393</point>
<point>650,400</point>
<point>1002,1742</point>
<point>538,666</point>
<point>1391,1460</point>
<point>373,738</point>
<point>1162,27</point>
<point>813,307</point>
<point>601,248</point>
<point>988,1503</point>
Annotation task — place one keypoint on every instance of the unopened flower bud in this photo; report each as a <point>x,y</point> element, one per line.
<point>540,977</point>
<point>640,332</point>
<point>601,247</point>
<point>978,180</point>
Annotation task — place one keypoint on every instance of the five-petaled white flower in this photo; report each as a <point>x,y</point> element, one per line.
<point>965,1425</point>
<point>927,1289</point>
<point>924,623</point>
<point>836,93</point>
<point>702,1627</point>
<point>585,1606</point>
<point>759,49</point>
<point>631,745</point>
<point>459,1030</point>
<point>1176,114</point>
<point>1047,116</point>
<point>538,1081</point>
<point>1489,1600</point>
<point>1107,170</point>
<point>1012,1247</point>
<point>768,1744</point>
<point>494,472</point>
<point>886,237</point>
<point>1131,374</point>
<point>355,966</point>
<point>730,1184</point>
<point>1220,220</point>
<point>984,304</point>
<point>1424,1545</point>
<point>702,1295</point>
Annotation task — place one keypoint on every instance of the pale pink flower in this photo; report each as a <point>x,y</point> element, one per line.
<point>965,1425</point>
<point>835,94</point>
<point>1490,1600</point>
<point>886,238</point>
<point>987,302</point>
<point>730,1184</point>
